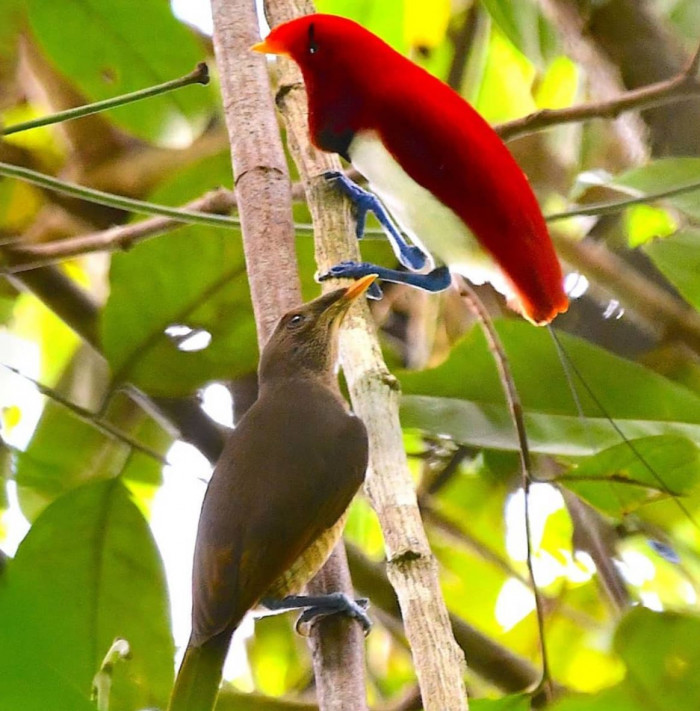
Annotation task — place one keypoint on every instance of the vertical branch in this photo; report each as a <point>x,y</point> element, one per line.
<point>263,192</point>
<point>412,569</point>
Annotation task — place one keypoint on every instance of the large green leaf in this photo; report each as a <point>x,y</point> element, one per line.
<point>194,277</point>
<point>678,258</point>
<point>665,174</point>
<point>87,572</point>
<point>620,479</point>
<point>463,397</point>
<point>662,655</point>
<point>111,47</point>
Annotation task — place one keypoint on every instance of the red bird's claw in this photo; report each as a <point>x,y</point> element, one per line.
<point>330,176</point>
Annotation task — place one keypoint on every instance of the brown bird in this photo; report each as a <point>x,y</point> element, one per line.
<point>277,500</point>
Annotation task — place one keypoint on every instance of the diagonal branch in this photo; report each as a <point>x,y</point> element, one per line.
<point>683,86</point>
<point>413,572</point>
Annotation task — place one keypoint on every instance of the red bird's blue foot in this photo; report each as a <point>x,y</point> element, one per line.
<point>318,606</point>
<point>410,256</point>
<point>437,280</point>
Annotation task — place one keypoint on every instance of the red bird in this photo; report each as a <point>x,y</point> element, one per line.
<point>441,170</point>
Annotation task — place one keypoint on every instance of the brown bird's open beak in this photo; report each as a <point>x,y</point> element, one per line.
<point>358,288</point>
<point>269,47</point>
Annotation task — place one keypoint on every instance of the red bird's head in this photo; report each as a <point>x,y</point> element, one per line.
<point>316,40</point>
<point>336,57</point>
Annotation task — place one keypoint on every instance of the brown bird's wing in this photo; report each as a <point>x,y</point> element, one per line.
<point>287,474</point>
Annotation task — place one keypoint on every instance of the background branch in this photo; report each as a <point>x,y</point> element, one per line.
<point>679,88</point>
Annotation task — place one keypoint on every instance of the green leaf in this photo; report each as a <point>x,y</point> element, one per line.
<point>111,47</point>
<point>662,653</point>
<point>88,571</point>
<point>194,277</point>
<point>463,397</point>
<point>634,484</point>
<point>522,23</point>
<point>665,174</point>
<point>678,259</point>
<point>519,702</point>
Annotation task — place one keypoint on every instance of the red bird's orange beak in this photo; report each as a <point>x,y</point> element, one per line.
<point>268,46</point>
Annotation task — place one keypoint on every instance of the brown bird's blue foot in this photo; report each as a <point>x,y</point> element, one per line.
<point>437,280</point>
<point>318,606</point>
<point>410,256</point>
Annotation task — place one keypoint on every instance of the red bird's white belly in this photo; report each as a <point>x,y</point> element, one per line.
<point>430,224</point>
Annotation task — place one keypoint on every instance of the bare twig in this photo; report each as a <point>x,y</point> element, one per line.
<point>124,237</point>
<point>91,418</point>
<point>199,75</point>
<point>111,200</point>
<point>438,662</point>
<point>679,88</point>
<point>265,201</point>
<point>516,411</point>
<point>660,310</point>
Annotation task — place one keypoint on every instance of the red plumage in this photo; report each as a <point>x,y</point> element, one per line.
<point>358,86</point>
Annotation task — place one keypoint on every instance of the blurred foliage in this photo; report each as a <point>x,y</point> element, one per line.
<point>89,570</point>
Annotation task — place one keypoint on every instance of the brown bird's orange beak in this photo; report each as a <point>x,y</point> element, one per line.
<point>359,287</point>
<point>268,46</point>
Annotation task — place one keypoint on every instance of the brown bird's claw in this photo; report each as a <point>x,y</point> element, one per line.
<point>317,607</point>
<point>334,604</point>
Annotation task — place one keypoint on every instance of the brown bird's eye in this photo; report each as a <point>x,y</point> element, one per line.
<point>296,320</point>
<point>313,46</point>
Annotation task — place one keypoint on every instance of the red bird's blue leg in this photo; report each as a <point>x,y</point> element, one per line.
<point>410,256</point>
<point>437,280</point>
<point>322,605</point>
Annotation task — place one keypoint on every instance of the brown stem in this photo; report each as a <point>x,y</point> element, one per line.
<point>682,87</point>
<point>516,411</point>
<point>264,199</point>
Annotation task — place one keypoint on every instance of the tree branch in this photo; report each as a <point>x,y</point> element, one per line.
<point>659,309</point>
<point>438,661</point>
<point>265,206</point>
<point>683,86</point>
<point>30,256</point>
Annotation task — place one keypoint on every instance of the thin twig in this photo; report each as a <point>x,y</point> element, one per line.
<point>123,237</point>
<point>679,88</point>
<point>607,208</point>
<point>199,75</point>
<point>89,417</point>
<point>658,308</point>
<point>111,200</point>
<point>516,411</point>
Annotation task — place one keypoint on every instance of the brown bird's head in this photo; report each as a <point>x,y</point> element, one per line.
<point>305,339</point>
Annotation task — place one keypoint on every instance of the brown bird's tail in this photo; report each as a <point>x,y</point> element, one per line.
<point>197,683</point>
